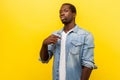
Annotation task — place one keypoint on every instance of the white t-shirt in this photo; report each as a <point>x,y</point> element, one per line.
<point>62,64</point>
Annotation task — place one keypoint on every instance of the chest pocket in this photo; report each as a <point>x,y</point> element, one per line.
<point>76,47</point>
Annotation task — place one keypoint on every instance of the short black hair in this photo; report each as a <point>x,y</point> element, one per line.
<point>72,7</point>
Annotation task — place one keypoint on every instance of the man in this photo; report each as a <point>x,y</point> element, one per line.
<point>72,48</point>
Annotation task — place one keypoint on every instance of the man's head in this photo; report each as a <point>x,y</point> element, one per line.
<point>67,13</point>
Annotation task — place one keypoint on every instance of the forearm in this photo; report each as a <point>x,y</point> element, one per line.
<point>44,52</point>
<point>52,39</point>
<point>85,73</point>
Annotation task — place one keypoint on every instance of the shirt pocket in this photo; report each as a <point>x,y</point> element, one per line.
<point>76,47</point>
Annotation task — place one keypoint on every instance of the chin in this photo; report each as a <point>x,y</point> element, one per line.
<point>64,21</point>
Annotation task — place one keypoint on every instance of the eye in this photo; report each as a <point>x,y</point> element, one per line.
<point>66,10</point>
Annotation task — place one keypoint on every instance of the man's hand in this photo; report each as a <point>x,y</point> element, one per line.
<point>52,39</point>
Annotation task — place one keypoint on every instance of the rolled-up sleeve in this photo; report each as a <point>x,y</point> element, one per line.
<point>88,52</point>
<point>50,52</point>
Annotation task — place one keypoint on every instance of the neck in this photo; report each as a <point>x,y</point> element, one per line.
<point>69,26</point>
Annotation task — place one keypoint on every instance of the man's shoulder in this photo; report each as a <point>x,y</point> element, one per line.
<point>82,31</point>
<point>87,34</point>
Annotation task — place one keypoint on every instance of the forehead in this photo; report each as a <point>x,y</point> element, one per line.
<point>65,7</point>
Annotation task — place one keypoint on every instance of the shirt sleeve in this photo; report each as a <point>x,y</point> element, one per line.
<point>50,52</point>
<point>88,52</point>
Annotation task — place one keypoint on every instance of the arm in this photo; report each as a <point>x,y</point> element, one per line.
<point>52,39</point>
<point>88,57</point>
<point>86,73</point>
<point>44,52</point>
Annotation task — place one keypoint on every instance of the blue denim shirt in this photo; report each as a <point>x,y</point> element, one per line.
<point>79,52</point>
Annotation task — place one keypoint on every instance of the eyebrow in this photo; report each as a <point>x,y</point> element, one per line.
<point>63,9</point>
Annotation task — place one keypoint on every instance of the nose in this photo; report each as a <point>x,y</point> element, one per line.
<point>62,13</point>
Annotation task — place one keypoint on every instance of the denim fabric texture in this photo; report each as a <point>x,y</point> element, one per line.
<point>79,52</point>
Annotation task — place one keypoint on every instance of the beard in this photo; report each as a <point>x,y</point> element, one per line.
<point>66,21</point>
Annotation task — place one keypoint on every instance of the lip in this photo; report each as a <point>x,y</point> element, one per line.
<point>62,17</point>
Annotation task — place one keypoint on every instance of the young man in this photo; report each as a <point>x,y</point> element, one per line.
<point>72,48</point>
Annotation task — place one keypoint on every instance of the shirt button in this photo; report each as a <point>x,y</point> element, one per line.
<point>57,75</point>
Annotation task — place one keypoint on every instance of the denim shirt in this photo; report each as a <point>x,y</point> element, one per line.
<point>79,52</point>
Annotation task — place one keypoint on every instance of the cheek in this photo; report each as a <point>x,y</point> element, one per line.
<point>70,17</point>
<point>67,14</point>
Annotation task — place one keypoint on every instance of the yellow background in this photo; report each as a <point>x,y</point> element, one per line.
<point>24,24</point>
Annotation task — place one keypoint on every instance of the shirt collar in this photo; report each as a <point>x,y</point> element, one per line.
<point>75,29</point>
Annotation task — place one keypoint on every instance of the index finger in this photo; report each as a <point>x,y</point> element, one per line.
<point>55,36</point>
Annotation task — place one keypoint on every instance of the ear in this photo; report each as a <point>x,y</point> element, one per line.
<point>74,15</point>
